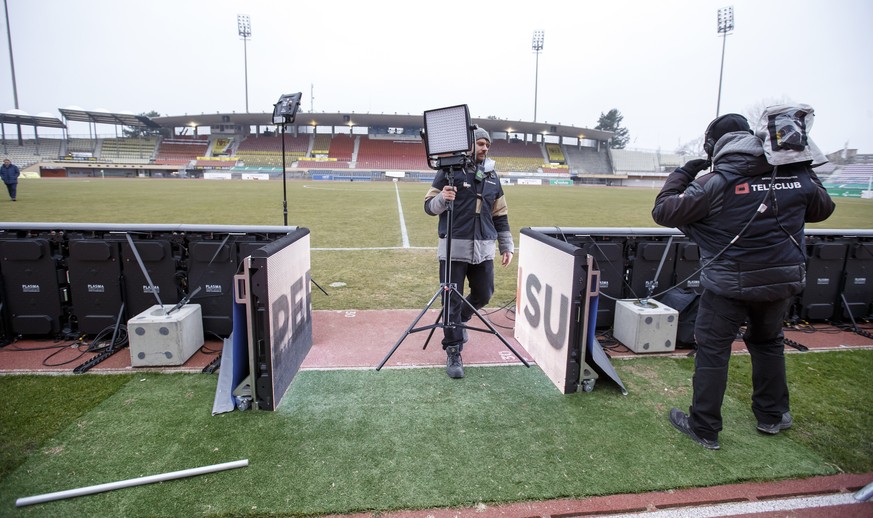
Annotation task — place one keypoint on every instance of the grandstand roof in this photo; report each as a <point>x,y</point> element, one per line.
<point>101,117</point>
<point>31,120</point>
<point>340,119</point>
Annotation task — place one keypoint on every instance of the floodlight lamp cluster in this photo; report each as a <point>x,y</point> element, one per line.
<point>538,40</point>
<point>725,20</point>
<point>244,25</point>
<point>285,110</point>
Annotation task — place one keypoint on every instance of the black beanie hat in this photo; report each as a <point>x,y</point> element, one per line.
<point>726,124</point>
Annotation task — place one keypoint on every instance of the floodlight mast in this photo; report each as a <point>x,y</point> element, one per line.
<point>244,27</point>
<point>12,65</point>
<point>537,47</point>
<point>725,26</point>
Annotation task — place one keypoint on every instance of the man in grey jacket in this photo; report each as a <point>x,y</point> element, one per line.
<point>480,224</point>
<point>747,218</point>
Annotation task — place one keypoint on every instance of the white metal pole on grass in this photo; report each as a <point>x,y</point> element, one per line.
<point>90,490</point>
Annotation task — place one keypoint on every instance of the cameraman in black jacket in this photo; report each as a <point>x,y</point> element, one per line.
<point>748,220</point>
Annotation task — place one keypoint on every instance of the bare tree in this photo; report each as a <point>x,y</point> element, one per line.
<point>691,148</point>
<point>754,112</point>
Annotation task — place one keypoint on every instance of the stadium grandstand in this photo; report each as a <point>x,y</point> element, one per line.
<point>338,146</point>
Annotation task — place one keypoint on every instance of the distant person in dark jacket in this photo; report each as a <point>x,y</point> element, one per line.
<point>480,227</point>
<point>748,220</point>
<point>9,173</point>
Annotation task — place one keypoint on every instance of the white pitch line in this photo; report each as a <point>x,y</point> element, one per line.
<point>403,234</point>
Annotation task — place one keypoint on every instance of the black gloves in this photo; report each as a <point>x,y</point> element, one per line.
<point>692,167</point>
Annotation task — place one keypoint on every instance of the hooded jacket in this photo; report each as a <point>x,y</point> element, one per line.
<point>747,218</point>
<point>480,214</point>
<point>9,174</point>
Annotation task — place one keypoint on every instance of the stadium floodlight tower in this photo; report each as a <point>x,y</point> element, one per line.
<point>244,26</point>
<point>12,64</point>
<point>537,47</point>
<point>284,112</point>
<point>725,26</point>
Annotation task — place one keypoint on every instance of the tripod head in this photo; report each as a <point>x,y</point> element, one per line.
<point>285,110</point>
<point>449,164</point>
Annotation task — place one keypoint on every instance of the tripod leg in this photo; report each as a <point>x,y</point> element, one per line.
<point>436,324</point>
<point>492,330</point>
<point>409,329</point>
<point>318,286</point>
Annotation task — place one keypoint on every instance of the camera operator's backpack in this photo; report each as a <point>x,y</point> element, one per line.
<point>686,302</point>
<point>784,128</point>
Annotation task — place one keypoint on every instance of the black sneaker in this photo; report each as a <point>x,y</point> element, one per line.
<point>775,428</point>
<point>454,365</point>
<point>679,420</point>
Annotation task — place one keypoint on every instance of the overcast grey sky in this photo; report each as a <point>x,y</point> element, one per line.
<point>657,62</point>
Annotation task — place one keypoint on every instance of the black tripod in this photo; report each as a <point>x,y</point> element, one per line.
<point>448,165</point>
<point>284,113</point>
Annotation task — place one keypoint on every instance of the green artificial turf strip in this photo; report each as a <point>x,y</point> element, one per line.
<point>35,408</point>
<point>828,404</point>
<point>345,441</point>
